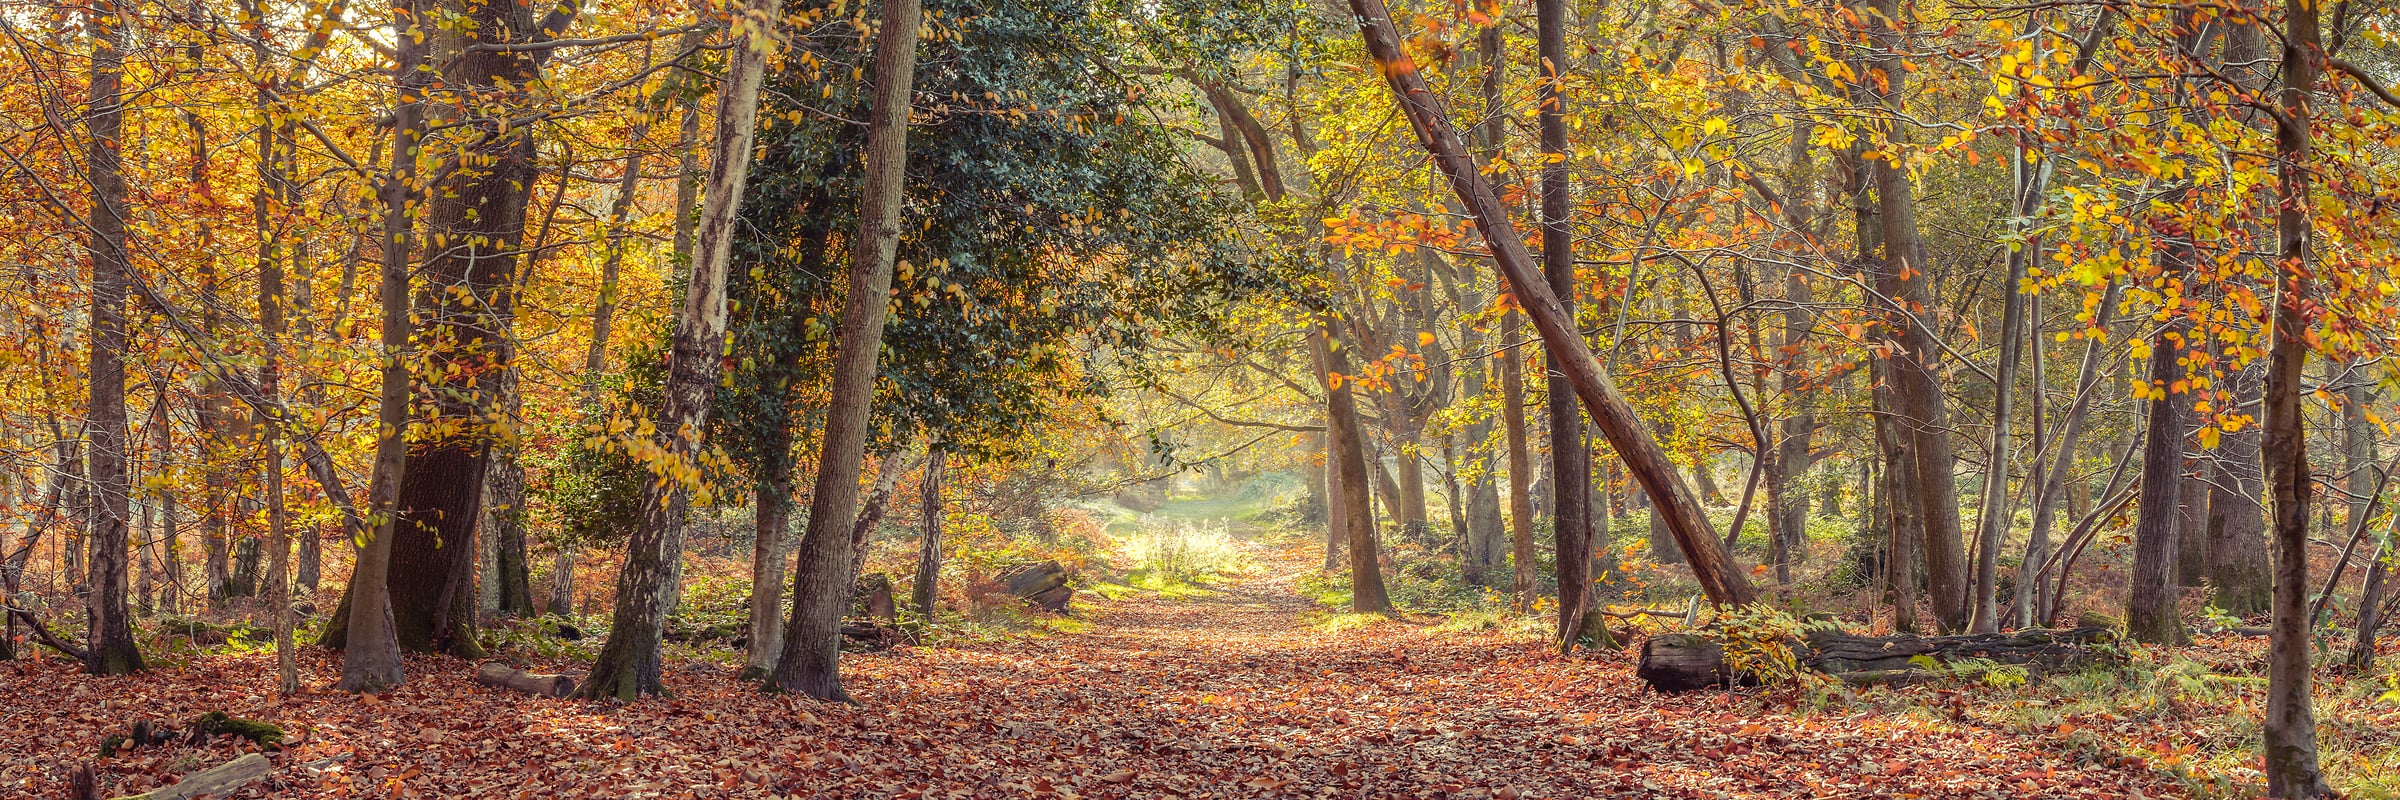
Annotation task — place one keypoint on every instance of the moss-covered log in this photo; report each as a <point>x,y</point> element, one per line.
<point>1680,662</point>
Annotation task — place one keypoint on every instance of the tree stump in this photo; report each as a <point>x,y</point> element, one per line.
<point>1044,585</point>
<point>507,677</point>
<point>1682,662</point>
<point>874,593</point>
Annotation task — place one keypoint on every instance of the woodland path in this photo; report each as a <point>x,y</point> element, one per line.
<point>1240,693</point>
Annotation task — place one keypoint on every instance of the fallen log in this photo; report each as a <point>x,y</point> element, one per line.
<point>1682,662</point>
<point>867,635</point>
<point>533,683</point>
<point>215,781</point>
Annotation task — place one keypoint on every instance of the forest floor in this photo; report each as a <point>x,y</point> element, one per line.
<point>1244,690</point>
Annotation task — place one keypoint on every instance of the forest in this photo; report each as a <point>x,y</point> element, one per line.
<point>1199,398</point>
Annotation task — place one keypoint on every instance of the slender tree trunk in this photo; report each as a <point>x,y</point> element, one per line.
<point>1570,456</point>
<point>812,645</point>
<point>2033,601</point>
<point>1992,520</point>
<point>929,544</point>
<point>1337,514</point>
<point>371,648</point>
<point>767,551</point>
<point>1719,577</point>
<point>1520,461</point>
<point>112,650</point>
<point>2191,527</point>
<point>2290,726</point>
<point>1367,594</point>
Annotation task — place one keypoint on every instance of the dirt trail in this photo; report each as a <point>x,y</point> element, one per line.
<point>1234,694</point>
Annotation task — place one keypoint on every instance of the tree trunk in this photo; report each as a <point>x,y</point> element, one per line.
<point>2151,612</point>
<point>562,582</point>
<point>628,663</point>
<point>1723,581</point>
<point>110,624</point>
<point>475,224</point>
<point>513,679</point>
<point>812,645</point>
<point>927,589</point>
<point>2191,527</point>
<point>1337,513</point>
<point>1899,506</point>
<point>1520,461</point>
<point>767,551</point>
<point>1367,594</point>
<point>2290,726</point>
<point>1570,456</point>
<point>2032,601</point>
<point>1993,517</point>
<point>371,646</point>
<point>1901,275</point>
<point>2237,542</point>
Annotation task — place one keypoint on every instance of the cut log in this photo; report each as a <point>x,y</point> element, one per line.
<point>867,635</point>
<point>533,683</point>
<point>1044,585</point>
<point>1682,662</point>
<point>215,781</point>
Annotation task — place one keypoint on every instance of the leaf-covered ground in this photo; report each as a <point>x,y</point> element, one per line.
<point>1240,693</point>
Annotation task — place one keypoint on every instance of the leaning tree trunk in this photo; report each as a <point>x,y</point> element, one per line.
<point>371,647</point>
<point>1719,577</point>
<point>112,650</point>
<point>2290,726</point>
<point>812,645</point>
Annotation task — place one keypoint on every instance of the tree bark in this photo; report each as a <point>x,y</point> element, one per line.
<point>767,552</point>
<point>628,663</point>
<point>513,679</point>
<point>812,644</point>
<point>2290,726</point>
<point>2151,613</point>
<point>110,624</point>
<point>1367,593</point>
<point>1900,276</point>
<point>475,225</point>
<point>927,589</point>
<point>1570,456</point>
<point>1723,581</point>
<point>371,646</point>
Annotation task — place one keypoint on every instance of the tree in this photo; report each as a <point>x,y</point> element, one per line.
<point>1719,578</point>
<point>628,663</point>
<point>370,643</point>
<point>821,592</point>
<point>112,650</point>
